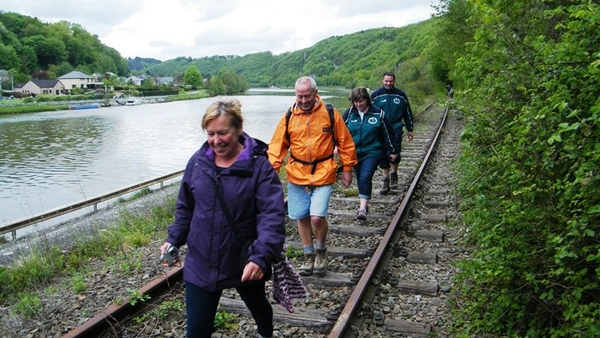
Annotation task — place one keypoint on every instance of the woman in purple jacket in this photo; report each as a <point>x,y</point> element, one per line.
<point>237,164</point>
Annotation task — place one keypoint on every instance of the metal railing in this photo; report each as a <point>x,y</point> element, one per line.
<point>29,221</point>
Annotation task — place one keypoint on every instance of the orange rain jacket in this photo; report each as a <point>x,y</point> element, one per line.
<point>310,140</point>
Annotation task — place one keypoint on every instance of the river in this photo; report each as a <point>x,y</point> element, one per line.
<point>52,159</point>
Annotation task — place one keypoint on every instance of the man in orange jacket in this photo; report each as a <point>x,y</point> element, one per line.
<point>311,170</point>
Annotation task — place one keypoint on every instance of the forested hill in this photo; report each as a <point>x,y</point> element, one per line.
<point>348,60</point>
<point>29,46</point>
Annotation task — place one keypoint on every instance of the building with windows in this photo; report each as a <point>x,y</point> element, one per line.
<point>38,86</point>
<point>76,79</point>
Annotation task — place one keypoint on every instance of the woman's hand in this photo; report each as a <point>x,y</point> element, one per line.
<point>165,262</point>
<point>252,272</point>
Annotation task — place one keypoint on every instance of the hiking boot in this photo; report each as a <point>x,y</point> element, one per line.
<point>321,262</point>
<point>386,186</point>
<point>362,214</point>
<point>306,269</point>
<point>394,180</point>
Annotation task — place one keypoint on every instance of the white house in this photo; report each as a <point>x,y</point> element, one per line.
<point>81,80</point>
<point>137,81</point>
<point>45,87</point>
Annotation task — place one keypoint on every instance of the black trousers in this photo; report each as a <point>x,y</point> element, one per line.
<point>201,306</point>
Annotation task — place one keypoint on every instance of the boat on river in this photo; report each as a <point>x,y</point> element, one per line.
<point>85,106</point>
<point>133,101</point>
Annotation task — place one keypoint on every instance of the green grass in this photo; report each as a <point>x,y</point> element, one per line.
<point>7,110</point>
<point>45,262</point>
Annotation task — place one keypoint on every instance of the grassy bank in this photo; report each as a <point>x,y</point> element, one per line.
<point>24,109</point>
<point>19,106</point>
<point>46,261</point>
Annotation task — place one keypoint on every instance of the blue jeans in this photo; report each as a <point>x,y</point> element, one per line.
<point>201,306</point>
<point>364,171</point>
<point>306,201</point>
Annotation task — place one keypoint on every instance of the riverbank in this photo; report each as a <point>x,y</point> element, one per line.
<point>67,234</point>
<point>17,106</point>
<point>24,109</point>
<point>90,279</point>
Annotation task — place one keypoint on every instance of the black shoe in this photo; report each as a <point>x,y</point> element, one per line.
<point>394,180</point>
<point>386,186</point>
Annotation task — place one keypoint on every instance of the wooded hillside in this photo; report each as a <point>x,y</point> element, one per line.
<point>28,46</point>
<point>350,60</point>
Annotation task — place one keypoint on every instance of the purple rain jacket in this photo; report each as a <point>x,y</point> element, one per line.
<point>254,196</point>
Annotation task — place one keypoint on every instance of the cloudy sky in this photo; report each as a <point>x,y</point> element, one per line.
<point>195,28</point>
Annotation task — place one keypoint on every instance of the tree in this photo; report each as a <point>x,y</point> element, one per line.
<point>193,77</point>
<point>64,68</point>
<point>48,50</point>
<point>8,57</point>
<point>148,83</point>
<point>216,86</point>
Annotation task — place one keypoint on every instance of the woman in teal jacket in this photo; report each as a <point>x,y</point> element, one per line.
<point>373,136</point>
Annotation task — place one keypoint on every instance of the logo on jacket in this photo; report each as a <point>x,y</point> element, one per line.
<point>396,100</point>
<point>372,120</point>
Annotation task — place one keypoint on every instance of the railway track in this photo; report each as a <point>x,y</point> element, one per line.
<point>388,276</point>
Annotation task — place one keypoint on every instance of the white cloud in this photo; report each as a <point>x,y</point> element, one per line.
<point>165,30</point>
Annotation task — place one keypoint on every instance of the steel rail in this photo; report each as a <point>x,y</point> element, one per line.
<point>29,221</point>
<point>341,325</point>
<point>115,313</point>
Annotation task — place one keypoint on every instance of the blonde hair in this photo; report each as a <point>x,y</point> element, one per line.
<point>231,108</point>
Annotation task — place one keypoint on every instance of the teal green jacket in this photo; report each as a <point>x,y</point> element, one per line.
<point>372,134</point>
<point>394,103</point>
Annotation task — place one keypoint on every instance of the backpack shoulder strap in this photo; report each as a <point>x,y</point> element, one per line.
<point>288,114</point>
<point>329,107</point>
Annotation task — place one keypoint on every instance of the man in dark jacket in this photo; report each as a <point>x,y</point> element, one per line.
<point>394,103</point>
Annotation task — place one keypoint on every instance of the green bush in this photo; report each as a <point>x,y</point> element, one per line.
<point>529,167</point>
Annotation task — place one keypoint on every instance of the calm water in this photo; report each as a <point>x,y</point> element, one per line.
<point>52,159</point>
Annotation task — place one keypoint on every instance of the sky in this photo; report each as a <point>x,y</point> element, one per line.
<point>165,30</point>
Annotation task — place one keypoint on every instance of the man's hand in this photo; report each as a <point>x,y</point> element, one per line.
<point>346,179</point>
<point>410,135</point>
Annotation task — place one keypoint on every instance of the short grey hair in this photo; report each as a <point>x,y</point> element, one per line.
<point>305,79</point>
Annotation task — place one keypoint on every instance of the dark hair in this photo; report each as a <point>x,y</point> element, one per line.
<point>360,93</point>
<point>389,74</point>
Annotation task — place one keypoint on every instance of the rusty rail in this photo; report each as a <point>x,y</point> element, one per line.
<point>341,325</point>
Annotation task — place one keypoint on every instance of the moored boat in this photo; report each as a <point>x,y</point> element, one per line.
<point>133,101</point>
<point>86,106</point>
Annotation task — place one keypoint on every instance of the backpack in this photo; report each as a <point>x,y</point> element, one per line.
<point>314,163</point>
